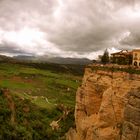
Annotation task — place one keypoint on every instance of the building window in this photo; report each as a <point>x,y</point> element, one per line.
<point>135,63</point>
<point>135,56</point>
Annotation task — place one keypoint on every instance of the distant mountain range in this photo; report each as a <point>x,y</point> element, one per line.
<point>5,58</point>
<point>62,60</point>
<point>57,60</point>
<point>24,57</point>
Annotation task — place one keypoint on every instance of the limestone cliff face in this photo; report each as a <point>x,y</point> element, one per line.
<point>108,106</point>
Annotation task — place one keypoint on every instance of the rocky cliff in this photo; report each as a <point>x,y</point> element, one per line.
<point>107,105</point>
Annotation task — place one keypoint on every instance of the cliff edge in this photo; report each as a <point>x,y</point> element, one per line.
<point>107,105</point>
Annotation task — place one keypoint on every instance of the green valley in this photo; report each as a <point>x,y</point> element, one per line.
<point>37,101</point>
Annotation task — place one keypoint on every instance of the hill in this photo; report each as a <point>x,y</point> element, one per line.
<point>62,60</point>
<point>56,60</point>
<point>32,61</point>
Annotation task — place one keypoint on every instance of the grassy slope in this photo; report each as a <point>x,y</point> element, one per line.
<point>40,92</point>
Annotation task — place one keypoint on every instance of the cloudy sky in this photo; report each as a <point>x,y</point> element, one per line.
<point>68,28</point>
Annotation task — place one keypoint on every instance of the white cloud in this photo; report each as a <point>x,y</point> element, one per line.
<point>73,28</point>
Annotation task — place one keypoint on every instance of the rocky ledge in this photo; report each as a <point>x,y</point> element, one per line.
<point>107,105</point>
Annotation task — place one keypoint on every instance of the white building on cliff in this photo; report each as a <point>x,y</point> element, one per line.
<point>136,58</point>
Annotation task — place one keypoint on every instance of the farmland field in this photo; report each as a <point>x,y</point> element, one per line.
<point>32,98</point>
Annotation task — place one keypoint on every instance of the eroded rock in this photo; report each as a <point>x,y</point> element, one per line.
<point>108,106</point>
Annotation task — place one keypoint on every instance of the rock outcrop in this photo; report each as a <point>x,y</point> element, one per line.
<point>131,124</point>
<point>108,106</point>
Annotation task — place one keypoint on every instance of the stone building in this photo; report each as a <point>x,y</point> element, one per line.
<point>136,58</point>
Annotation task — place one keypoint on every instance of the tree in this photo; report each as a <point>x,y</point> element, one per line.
<point>105,57</point>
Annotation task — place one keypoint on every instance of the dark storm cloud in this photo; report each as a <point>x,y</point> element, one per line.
<point>72,26</point>
<point>133,37</point>
<point>11,49</point>
<point>17,13</point>
<point>90,26</point>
